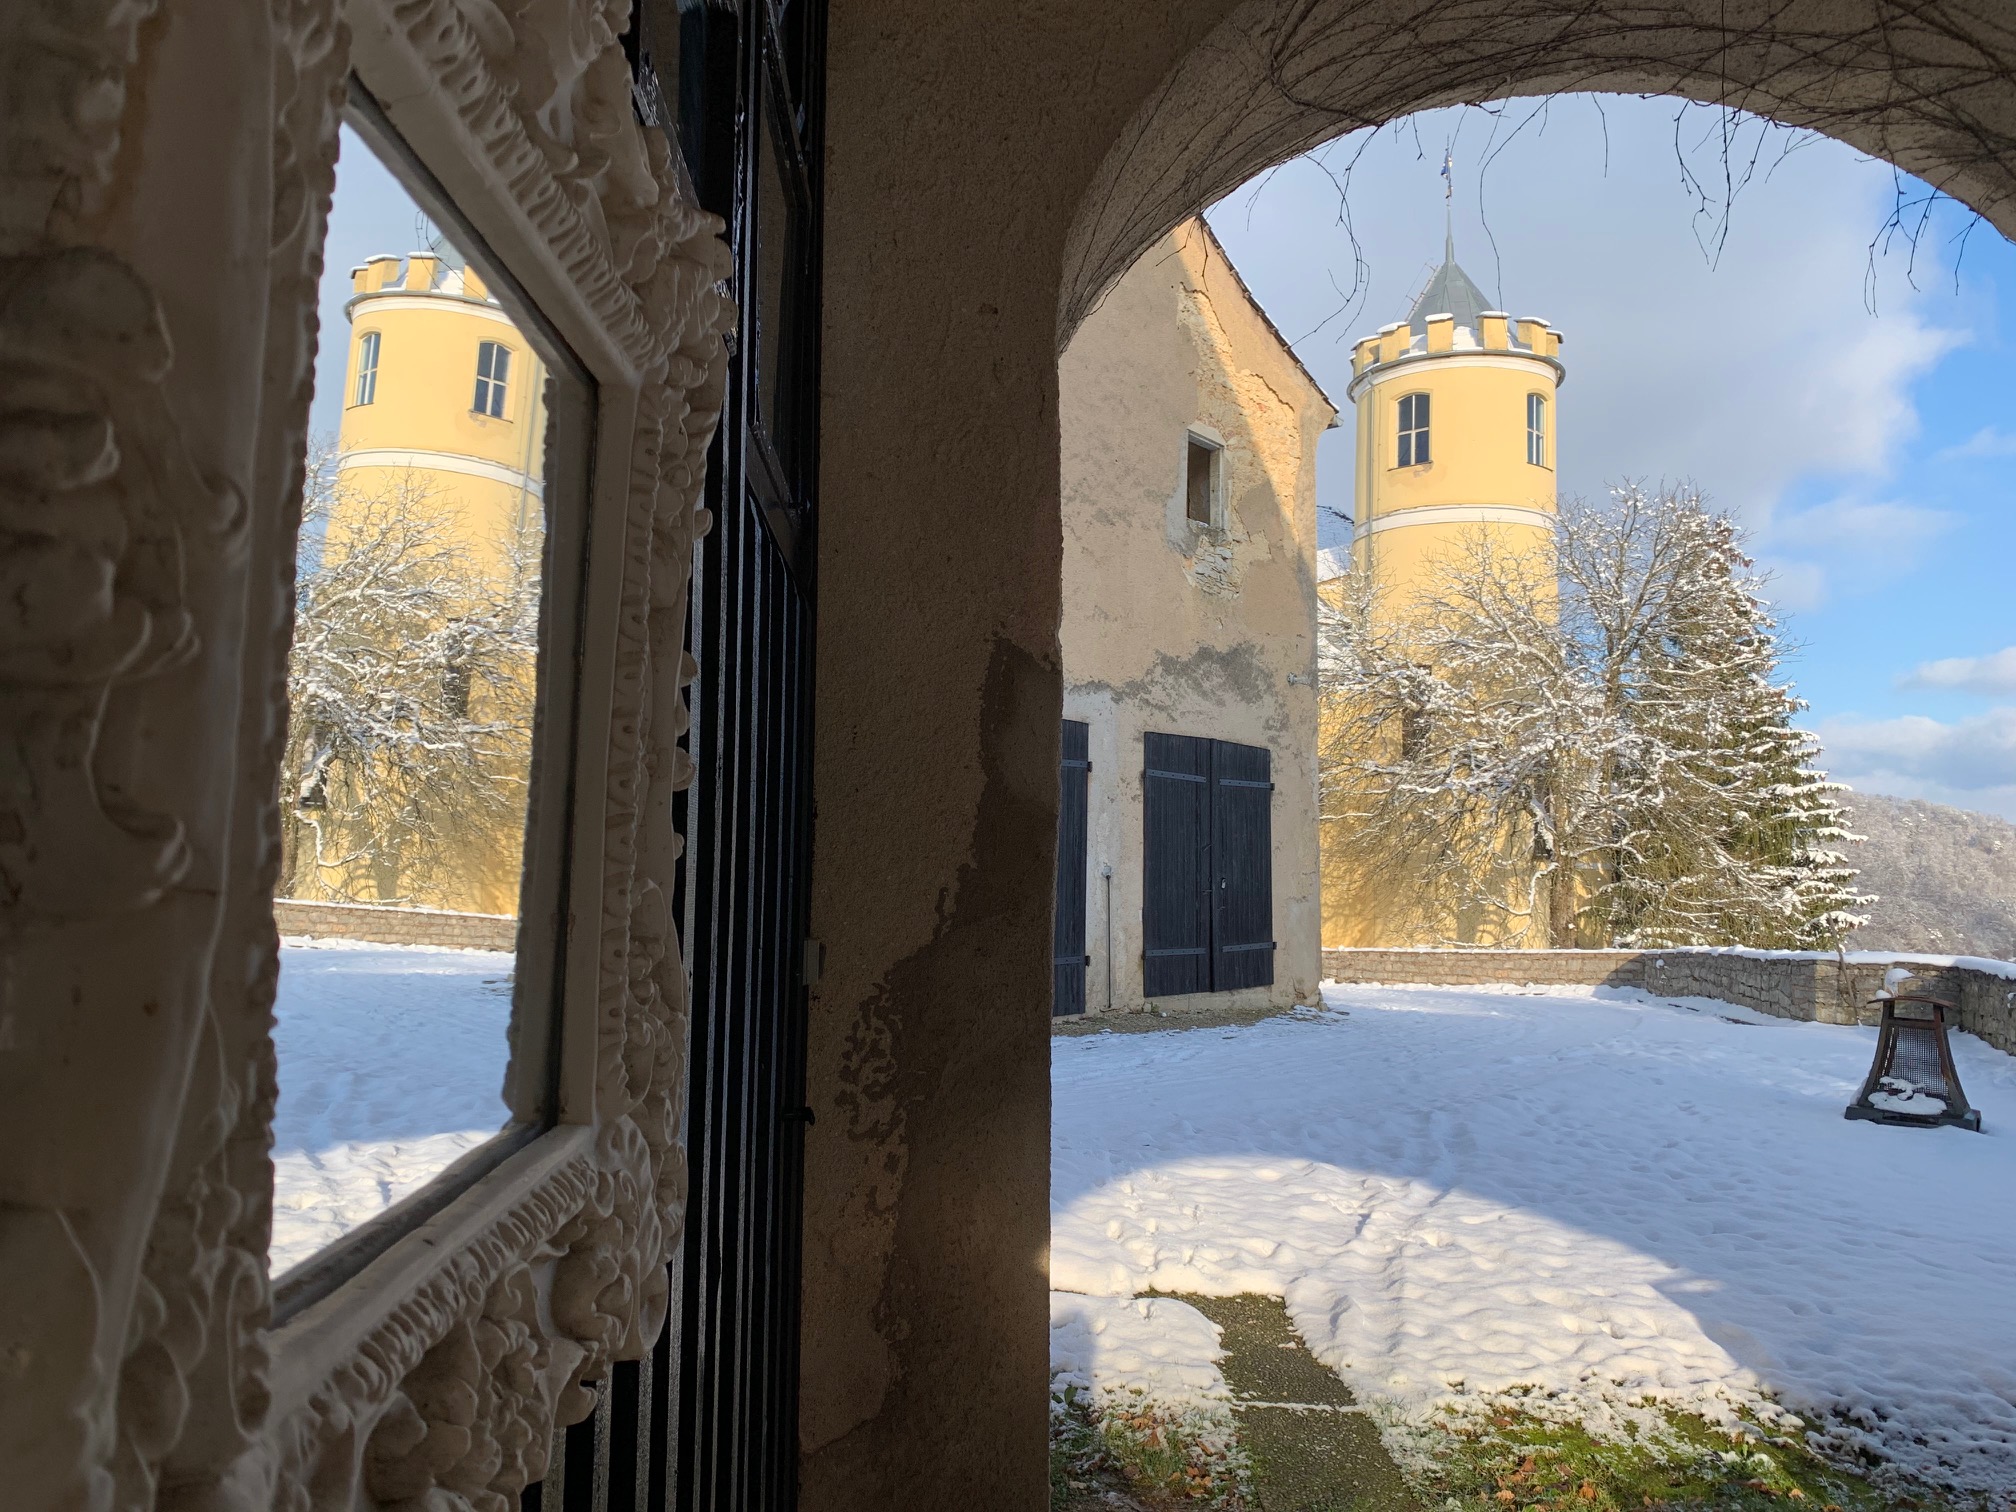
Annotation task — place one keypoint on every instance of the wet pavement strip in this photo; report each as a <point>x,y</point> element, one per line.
<point>1310,1447</point>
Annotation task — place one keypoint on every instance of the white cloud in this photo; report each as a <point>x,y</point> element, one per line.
<point>1753,375</point>
<point>1993,673</point>
<point>1858,527</point>
<point>1797,586</point>
<point>1986,442</point>
<point>1997,800</point>
<point>1970,762</point>
<point>1849,541</point>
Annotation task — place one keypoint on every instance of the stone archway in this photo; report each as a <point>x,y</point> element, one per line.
<point>990,171</point>
<point>1922,86</point>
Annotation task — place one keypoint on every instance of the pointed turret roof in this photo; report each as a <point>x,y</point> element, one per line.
<point>1449,292</point>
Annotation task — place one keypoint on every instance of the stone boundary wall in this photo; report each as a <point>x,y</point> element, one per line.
<point>396,926</point>
<point>1790,984</point>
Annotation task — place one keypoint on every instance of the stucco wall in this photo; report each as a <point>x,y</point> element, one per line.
<point>1180,628</point>
<point>1791,984</point>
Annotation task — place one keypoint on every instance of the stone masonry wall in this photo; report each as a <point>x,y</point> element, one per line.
<point>1787,984</point>
<point>396,926</point>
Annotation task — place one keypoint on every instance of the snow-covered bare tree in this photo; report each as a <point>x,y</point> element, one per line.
<point>411,686</point>
<point>1581,746</point>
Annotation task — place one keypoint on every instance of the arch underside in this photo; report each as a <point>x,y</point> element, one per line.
<point>1923,85</point>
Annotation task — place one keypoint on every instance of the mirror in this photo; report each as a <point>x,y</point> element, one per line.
<point>412,1009</point>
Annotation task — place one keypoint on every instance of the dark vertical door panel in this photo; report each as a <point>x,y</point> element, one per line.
<point>1074,768</point>
<point>709,1419</point>
<point>732,1427</point>
<point>1242,852</point>
<point>1176,865</point>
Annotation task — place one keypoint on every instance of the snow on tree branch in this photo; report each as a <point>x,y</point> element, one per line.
<point>411,684</point>
<point>1587,746</point>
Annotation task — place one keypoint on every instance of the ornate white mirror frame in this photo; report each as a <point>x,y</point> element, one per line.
<point>162,209</point>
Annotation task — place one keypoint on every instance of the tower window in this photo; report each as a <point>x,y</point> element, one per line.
<point>1536,429</point>
<point>493,368</point>
<point>1200,481</point>
<point>367,369</point>
<point>1413,430</point>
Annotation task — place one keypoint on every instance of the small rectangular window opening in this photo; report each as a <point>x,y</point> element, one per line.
<point>367,369</point>
<point>1536,429</point>
<point>1413,430</point>
<point>1200,481</point>
<point>493,367</point>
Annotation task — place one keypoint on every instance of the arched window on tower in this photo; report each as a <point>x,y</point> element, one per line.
<point>493,368</point>
<point>367,369</point>
<point>1413,430</point>
<point>1536,429</point>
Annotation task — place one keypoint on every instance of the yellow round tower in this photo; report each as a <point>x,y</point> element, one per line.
<point>1455,409</point>
<point>1456,447</point>
<point>443,390</point>
<point>443,427</point>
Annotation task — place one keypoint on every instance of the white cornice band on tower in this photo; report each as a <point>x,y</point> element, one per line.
<point>440,461</point>
<point>1524,362</point>
<point>437,303</point>
<point>1459,514</point>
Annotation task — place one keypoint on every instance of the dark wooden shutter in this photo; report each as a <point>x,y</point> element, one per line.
<point>1069,960</point>
<point>1176,865</point>
<point>1207,902</point>
<point>1242,853</point>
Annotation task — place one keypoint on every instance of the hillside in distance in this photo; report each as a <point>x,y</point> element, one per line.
<point>1945,877</point>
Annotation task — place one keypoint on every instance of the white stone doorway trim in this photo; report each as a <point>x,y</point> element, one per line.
<point>161,221</point>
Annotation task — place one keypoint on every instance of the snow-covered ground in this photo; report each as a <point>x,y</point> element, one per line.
<point>1602,1195</point>
<point>391,1061</point>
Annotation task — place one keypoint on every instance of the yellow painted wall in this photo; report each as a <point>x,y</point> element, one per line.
<point>1479,480</point>
<point>431,320</point>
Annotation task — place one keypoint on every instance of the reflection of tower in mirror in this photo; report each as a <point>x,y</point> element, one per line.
<point>434,495</point>
<point>412,685</point>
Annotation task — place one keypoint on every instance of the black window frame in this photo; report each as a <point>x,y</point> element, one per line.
<point>493,388</point>
<point>370,351</point>
<point>1413,412</point>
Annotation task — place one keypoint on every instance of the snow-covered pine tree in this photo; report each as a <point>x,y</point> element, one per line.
<point>1598,742</point>
<point>1739,839</point>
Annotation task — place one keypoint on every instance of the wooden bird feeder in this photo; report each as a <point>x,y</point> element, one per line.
<point>1912,1080</point>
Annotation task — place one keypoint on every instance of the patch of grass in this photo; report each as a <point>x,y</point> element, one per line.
<point>1133,1454</point>
<point>1514,1459</point>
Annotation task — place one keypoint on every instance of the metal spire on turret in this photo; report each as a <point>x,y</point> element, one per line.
<point>1449,291</point>
<point>1448,205</point>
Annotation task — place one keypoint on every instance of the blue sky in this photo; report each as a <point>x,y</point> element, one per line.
<point>372,213</point>
<point>1863,429</point>
<point>1872,454</point>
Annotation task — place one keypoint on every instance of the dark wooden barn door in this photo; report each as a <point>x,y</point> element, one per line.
<point>1242,855</point>
<point>1068,958</point>
<point>710,1420</point>
<point>1176,865</point>
<point>1207,906</point>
